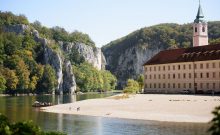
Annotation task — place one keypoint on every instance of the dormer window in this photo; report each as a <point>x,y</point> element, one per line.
<point>203,29</point>
<point>195,29</point>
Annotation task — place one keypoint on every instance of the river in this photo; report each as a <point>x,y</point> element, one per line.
<point>19,109</point>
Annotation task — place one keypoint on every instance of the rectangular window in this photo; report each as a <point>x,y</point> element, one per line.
<point>189,75</point>
<point>179,76</point>
<point>184,85</point>
<point>207,75</point>
<point>159,85</point>
<point>173,67</point>
<point>178,85</point>
<point>201,65</point>
<point>207,65</point>
<point>201,85</point>
<point>189,66</point>
<point>155,86</point>
<point>178,67</point>
<point>173,76</point>
<point>168,85</point>
<point>195,74</point>
<point>195,85</point>
<point>150,68</point>
<point>184,66</point>
<point>174,85</point>
<point>164,85</point>
<point>163,76</point>
<point>195,66</point>
<point>155,77</point>
<point>150,76</point>
<point>168,67</point>
<point>201,75</point>
<point>168,76</point>
<point>155,68</point>
<point>150,85</point>
<point>163,68</point>
<point>184,75</point>
<point>213,86</point>
<point>159,68</point>
<point>213,65</point>
<point>190,85</point>
<point>159,76</point>
<point>213,74</point>
<point>207,85</point>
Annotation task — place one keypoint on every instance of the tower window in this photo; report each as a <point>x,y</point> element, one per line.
<point>195,29</point>
<point>203,29</point>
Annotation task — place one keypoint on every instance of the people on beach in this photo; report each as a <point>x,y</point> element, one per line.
<point>78,108</point>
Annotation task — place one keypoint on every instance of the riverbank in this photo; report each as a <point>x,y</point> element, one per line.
<point>175,108</point>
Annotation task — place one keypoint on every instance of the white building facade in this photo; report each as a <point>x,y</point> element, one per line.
<point>195,69</point>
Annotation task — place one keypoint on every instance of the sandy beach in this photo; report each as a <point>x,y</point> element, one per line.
<point>175,108</point>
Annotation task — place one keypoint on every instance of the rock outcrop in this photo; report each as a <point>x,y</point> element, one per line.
<point>52,57</point>
<point>130,63</point>
<point>18,29</point>
<point>92,55</point>
<point>69,83</point>
<point>55,58</point>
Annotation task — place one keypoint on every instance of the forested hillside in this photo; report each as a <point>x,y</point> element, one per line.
<point>33,59</point>
<point>126,55</point>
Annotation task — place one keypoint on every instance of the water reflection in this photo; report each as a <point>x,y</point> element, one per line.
<point>19,109</point>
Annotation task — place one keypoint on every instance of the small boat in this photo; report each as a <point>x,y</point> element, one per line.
<point>41,104</point>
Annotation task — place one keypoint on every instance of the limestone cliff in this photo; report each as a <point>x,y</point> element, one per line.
<point>129,64</point>
<point>55,57</point>
<point>92,55</point>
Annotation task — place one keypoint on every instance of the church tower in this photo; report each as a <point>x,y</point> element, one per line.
<point>200,29</point>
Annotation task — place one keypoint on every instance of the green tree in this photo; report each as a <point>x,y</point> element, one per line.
<point>215,123</point>
<point>11,79</point>
<point>23,75</point>
<point>22,128</point>
<point>4,125</point>
<point>140,81</point>
<point>131,87</point>
<point>2,83</point>
<point>75,57</point>
<point>33,83</point>
<point>48,81</point>
<point>89,78</point>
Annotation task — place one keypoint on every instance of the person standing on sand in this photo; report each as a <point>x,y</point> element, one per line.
<point>78,108</point>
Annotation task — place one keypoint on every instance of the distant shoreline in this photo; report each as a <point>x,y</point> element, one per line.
<point>169,108</point>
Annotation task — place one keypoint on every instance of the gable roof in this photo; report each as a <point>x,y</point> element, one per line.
<point>199,53</point>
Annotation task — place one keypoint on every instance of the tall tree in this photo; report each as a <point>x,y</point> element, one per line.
<point>2,83</point>
<point>23,75</point>
<point>48,82</point>
<point>11,79</point>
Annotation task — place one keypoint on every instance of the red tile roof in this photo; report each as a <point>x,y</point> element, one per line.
<point>199,53</point>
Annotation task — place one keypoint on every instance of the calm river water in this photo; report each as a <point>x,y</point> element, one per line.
<point>19,109</point>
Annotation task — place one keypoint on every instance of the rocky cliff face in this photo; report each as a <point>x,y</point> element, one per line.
<point>130,63</point>
<point>55,58</point>
<point>92,55</point>
<point>65,77</point>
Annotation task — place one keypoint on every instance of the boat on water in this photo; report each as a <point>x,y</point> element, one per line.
<point>41,104</point>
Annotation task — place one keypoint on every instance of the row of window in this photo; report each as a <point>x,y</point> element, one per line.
<point>184,85</point>
<point>182,67</point>
<point>203,29</point>
<point>183,75</point>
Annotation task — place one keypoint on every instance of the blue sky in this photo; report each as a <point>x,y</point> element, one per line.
<point>107,20</point>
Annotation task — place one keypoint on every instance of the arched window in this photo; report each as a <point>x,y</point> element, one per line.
<point>203,29</point>
<point>195,29</point>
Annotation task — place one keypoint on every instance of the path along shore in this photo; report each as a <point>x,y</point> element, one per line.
<point>173,108</point>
